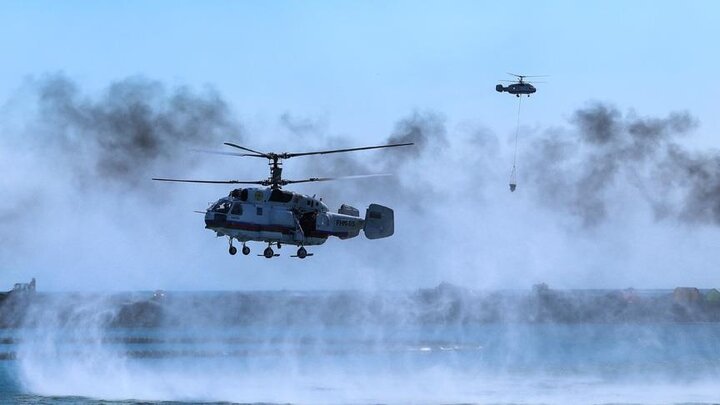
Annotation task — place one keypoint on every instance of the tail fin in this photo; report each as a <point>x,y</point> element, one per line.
<point>379,222</point>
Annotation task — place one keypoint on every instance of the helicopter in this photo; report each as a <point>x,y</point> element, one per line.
<point>277,217</point>
<point>518,87</point>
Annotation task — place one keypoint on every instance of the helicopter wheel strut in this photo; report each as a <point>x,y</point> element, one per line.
<point>245,250</point>
<point>232,249</point>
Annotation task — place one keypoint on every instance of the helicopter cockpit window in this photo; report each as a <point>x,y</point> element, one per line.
<point>237,209</point>
<point>222,207</point>
<point>280,196</point>
<point>243,195</point>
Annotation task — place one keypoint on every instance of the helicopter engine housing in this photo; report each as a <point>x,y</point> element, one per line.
<point>349,210</point>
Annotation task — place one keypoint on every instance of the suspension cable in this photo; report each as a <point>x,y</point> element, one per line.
<point>517,131</point>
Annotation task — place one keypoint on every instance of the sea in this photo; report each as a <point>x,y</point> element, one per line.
<point>96,350</point>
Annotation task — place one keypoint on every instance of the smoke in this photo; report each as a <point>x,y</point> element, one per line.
<point>425,129</point>
<point>581,170</point>
<point>602,161</point>
<point>302,127</point>
<point>409,184</point>
<point>91,155</point>
<point>455,221</point>
<point>79,163</point>
<point>134,125</point>
<point>695,179</point>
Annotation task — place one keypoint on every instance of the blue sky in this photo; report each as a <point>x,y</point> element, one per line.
<point>356,68</point>
<point>360,65</point>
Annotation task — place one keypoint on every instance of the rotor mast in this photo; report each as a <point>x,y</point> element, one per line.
<point>275,179</point>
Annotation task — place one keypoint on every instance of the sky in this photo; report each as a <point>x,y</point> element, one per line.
<point>304,75</point>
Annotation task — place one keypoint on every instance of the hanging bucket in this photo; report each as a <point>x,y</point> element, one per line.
<point>513,180</point>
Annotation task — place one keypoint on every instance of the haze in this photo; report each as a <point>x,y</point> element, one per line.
<point>618,164</point>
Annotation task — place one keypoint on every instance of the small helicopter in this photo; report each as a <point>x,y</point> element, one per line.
<point>277,217</point>
<point>518,87</point>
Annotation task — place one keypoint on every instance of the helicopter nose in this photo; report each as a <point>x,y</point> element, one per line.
<point>214,220</point>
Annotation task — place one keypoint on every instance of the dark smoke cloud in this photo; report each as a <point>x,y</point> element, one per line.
<point>134,125</point>
<point>697,178</point>
<point>425,129</point>
<point>74,146</point>
<point>577,170</point>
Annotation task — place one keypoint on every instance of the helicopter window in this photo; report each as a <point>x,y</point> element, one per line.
<point>280,196</point>
<point>222,207</point>
<point>243,195</point>
<point>237,209</point>
<point>259,210</point>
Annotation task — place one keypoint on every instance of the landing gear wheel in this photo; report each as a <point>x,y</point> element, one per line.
<point>245,250</point>
<point>232,250</point>
<point>302,253</point>
<point>268,253</point>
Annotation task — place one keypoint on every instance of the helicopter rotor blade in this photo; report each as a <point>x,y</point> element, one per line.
<point>513,74</point>
<point>261,182</point>
<point>314,179</point>
<point>326,152</point>
<point>256,153</point>
<point>221,152</point>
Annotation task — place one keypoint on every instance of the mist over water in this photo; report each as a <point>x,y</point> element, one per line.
<point>446,345</point>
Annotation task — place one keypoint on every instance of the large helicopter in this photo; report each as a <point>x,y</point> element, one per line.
<point>277,217</point>
<point>518,87</point>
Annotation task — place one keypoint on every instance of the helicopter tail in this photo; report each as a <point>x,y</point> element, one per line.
<point>379,222</point>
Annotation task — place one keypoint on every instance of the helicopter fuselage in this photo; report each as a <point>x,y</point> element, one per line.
<point>279,216</point>
<point>517,88</point>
